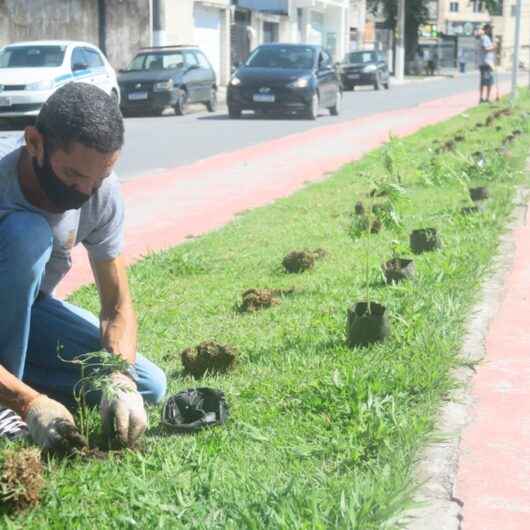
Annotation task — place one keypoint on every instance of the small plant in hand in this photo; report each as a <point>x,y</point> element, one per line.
<point>21,479</point>
<point>96,369</point>
<point>208,357</point>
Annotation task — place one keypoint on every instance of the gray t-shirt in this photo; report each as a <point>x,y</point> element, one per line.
<point>486,57</point>
<point>98,224</point>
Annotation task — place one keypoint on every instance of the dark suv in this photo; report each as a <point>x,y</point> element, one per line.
<point>167,76</point>
<point>365,67</point>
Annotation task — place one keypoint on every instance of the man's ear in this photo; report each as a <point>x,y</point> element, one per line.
<point>34,143</point>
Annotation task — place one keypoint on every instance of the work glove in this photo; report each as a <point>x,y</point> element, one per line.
<point>122,410</point>
<point>51,426</point>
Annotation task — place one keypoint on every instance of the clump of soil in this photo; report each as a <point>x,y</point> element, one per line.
<point>517,132</point>
<point>302,260</point>
<point>22,478</point>
<point>509,138</point>
<point>209,356</point>
<point>459,138</point>
<point>479,125</point>
<point>256,299</point>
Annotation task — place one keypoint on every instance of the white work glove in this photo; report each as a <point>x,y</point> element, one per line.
<point>51,425</point>
<point>122,410</point>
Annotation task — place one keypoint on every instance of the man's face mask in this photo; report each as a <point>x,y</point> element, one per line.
<point>62,196</point>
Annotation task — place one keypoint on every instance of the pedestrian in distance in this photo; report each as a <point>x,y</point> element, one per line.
<point>58,189</point>
<point>486,61</point>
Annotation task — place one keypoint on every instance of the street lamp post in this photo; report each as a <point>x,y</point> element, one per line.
<point>515,65</point>
<point>400,42</point>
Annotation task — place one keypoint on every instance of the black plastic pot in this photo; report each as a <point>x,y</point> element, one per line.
<point>367,323</point>
<point>398,269</point>
<point>479,194</point>
<point>424,240</point>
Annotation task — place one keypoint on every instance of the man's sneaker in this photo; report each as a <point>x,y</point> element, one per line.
<point>11,425</point>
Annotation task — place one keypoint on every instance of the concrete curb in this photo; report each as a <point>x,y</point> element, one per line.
<point>438,465</point>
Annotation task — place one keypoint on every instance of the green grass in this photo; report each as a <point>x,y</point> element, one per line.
<point>320,436</point>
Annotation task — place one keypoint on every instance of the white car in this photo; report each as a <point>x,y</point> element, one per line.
<point>30,72</point>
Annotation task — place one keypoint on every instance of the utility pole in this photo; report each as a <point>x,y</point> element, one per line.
<point>400,42</point>
<point>159,22</point>
<point>515,65</point>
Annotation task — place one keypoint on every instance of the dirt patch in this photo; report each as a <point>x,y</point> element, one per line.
<point>22,478</point>
<point>302,260</point>
<point>256,299</point>
<point>209,357</point>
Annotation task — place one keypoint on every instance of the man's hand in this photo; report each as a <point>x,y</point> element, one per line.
<point>52,426</point>
<point>122,410</point>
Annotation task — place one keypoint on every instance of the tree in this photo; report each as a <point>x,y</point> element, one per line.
<point>417,13</point>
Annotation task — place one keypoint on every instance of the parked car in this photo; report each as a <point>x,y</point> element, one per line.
<point>365,67</point>
<point>285,78</point>
<point>168,76</point>
<point>30,72</point>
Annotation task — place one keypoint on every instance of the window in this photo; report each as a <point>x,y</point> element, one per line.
<point>79,58</point>
<point>453,7</point>
<point>32,56</point>
<point>271,31</point>
<point>203,62</point>
<point>94,60</point>
<point>190,59</point>
<point>292,57</point>
<point>477,6</point>
<point>324,59</point>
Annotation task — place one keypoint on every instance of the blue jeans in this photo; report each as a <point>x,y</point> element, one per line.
<point>32,326</point>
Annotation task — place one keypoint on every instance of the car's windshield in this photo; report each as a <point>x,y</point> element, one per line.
<point>360,57</point>
<point>295,57</point>
<point>32,56</point>
<point>157,61</point>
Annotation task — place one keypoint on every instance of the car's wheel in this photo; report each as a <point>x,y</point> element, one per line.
<point>181,104</point>
<point>211,105</point>
<point>313,108</point>
<point>347,86</point>
<point>115,97</point>
<point>387,84</point>
<point>234,113</point>
<point>335,110</point>
<point>377,84</point>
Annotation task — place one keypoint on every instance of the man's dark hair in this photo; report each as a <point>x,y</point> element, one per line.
<point>488,29</point>
<point>83,113</point>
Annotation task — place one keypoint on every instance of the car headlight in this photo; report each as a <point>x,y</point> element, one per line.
<point>302,82</point>
<point>163,86</point>
<point>235,81</point>
<point>369,68</point>
<point>48,84</point>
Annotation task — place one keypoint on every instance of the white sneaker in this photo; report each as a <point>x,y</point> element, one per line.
<point>11,425</point>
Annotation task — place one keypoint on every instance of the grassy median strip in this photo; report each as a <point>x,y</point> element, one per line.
<point>320,435</point>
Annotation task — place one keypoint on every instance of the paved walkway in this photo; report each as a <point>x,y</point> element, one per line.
<point>493,480</point>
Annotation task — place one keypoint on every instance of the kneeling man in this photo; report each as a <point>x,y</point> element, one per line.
<point>57,189</point>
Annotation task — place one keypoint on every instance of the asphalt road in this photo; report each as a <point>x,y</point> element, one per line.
<point>158,143</point>
<point>164,142</point>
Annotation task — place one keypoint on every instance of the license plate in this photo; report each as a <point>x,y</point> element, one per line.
<point>135,96</point>
<point>5,102</point>
<point>354,76</point>
<point>264,98</point>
